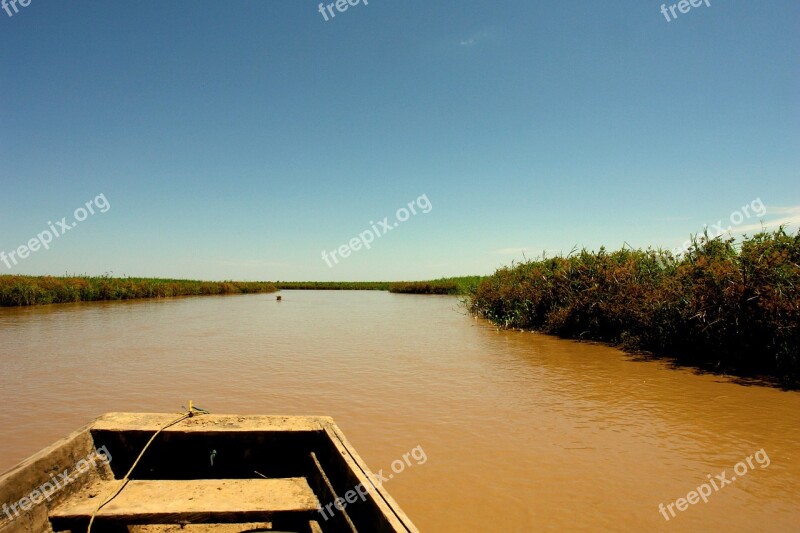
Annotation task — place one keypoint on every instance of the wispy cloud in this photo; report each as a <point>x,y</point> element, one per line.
<point>477,37</point>
<point>258,263</point>
<point>235,262</point>
<point>673,219</point>
<point>786,216</point>
<point>787,210</point>
<point>527,251</point>
<point>773,218</point>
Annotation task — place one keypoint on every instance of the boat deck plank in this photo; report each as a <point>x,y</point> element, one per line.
<point>209,423</point>
<point>164,501</point>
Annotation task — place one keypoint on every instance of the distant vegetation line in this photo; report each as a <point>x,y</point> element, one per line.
<point>333,285</point>
<point>458,285</point>
<point>464,285</point>
<point>724,306</point>
<point>34,290</point>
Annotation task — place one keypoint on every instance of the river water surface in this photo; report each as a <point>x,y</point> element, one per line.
<point>522,432</point>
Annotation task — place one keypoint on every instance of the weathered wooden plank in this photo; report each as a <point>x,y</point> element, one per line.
<point>208,423</point>
<point>170,501</point>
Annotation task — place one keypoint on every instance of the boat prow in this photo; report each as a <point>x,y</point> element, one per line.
<point>203,473</point>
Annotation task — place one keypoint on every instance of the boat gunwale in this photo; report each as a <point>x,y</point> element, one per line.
<point>20,480</point>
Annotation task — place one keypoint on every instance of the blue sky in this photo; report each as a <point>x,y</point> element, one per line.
<point>239,140</point>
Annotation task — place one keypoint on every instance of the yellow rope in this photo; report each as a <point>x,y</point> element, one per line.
<point>191,412</point>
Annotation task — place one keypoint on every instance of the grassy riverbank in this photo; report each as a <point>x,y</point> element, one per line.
<point>34,290</point>
<point>458,285</point>
<point>725,306</point>
<point>464,285</point>
<point>333,285</point>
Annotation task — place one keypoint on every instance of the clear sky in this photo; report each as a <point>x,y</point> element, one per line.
<point>238,140</point>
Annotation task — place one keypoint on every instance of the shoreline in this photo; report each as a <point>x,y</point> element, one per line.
<point>24,291</point>
<point>727,307</point>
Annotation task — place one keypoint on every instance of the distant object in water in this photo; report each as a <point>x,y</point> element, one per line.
<point>278,298</point>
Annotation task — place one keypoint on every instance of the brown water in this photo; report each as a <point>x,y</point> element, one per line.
<point>522,432</point>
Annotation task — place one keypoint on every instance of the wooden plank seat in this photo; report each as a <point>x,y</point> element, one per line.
<point>191,501</point>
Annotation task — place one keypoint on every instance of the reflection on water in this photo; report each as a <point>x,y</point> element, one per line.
<point>522,431</point>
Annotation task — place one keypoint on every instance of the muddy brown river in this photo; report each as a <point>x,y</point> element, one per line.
<point>521,432</point>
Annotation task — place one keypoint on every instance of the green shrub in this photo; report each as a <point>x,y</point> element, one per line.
<point>728,307</point>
